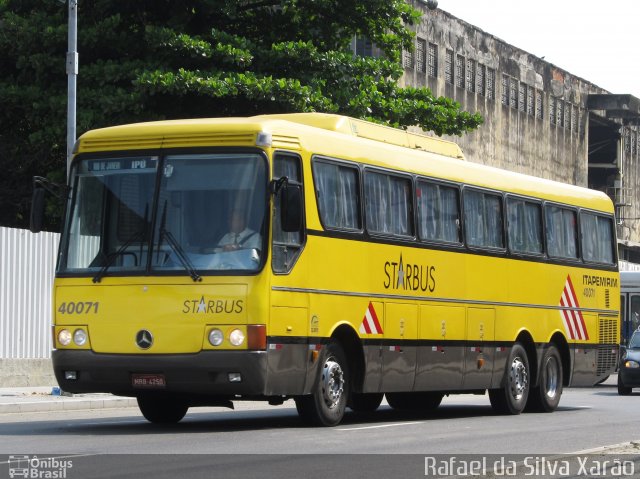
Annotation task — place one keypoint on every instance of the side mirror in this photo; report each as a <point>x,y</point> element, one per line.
<point>36,217</point>
<point>291,207</point>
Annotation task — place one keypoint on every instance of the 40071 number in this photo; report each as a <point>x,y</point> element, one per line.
<point>79,307</point>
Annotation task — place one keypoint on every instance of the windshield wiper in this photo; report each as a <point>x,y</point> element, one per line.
<point>175,246</point>
<point>138,235</point>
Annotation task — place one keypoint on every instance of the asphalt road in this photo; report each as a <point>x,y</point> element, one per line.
<point>268,436</point>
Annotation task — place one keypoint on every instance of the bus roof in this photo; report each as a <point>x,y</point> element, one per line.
<point>344,138</point>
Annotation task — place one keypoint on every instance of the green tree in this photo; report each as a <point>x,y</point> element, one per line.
<point>158,59</point>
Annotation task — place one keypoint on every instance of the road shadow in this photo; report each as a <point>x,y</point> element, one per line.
<point>199,420</point>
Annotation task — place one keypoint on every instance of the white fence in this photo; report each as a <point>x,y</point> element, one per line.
<point>27,264</point>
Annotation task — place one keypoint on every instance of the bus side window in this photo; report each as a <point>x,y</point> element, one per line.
<point>287,246</point>
<point>561,232</point>
<point>634,313</point>
<point>525,226</point>
<point>597,238</point>
<point>483,219</point>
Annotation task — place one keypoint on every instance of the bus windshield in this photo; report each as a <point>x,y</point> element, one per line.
<point>207,215</point>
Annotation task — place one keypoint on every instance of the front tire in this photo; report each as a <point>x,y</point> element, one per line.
<point>162,409</point>
<point>512,397</point>
<point>326,405</point>
<point>622,389</point>
<point>546,396</point>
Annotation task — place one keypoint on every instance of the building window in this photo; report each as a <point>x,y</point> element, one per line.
<point>491,84</point>
<point>480,78</point>
<point>459,71</point>
<point>522,89</point>
<point>552,110</point>
<point>471,75</point>
<point>448,67</point>
<point>513,93</point>
<point>421,55</point>
<point>627,141</point>
<point>574,118</point>
<point>530,101</point>
<point>363,47</point>
<point>539,108</point>
<point>407,59</point>
<point>566,121</point>
<point>505,90</point>
<point>432,60</point>
<point>559,112</point>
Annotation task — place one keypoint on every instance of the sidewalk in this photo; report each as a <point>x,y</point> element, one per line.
<point>44,399</point>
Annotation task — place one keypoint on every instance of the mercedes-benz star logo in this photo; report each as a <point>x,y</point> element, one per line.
<point>144,339</point>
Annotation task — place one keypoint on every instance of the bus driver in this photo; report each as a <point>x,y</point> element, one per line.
<point>239,235</point>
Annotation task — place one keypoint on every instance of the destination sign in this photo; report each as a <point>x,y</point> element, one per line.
<point>121,164</point>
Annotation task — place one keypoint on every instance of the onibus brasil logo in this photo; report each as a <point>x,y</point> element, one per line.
<point>40,468</point>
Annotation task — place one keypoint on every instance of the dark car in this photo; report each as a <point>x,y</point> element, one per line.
<point>629,372</point>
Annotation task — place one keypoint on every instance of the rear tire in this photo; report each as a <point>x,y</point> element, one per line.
<point>546,396</point>
<point>326,405</point>
<point>512,397</point>
<point>365,402</point>
<point>416,401</point>
<point>160,409</point>
<point>622,389</point>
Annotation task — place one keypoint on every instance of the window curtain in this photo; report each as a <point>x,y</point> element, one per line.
<point>388,201</point>
<point>337,193</point>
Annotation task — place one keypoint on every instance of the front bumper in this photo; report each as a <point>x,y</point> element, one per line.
<point>630,376</point>
<point>205,373</point>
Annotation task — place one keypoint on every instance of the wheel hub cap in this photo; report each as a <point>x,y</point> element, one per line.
<point>519,378</point>
<point>332,383</point>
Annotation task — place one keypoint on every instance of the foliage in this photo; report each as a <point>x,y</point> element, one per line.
<point>158,59</point>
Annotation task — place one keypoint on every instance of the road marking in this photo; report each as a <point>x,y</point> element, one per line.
<point>380,426</point>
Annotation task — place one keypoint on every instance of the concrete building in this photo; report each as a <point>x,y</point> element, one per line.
<point>538,118</point>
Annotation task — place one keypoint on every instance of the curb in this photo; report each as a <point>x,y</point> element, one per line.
<point>67,404</point>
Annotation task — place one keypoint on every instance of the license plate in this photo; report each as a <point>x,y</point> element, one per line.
<point>149,381</point>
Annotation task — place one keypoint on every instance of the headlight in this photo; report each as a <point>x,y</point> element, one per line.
<point>64,337</point>
<point>236,337</point>
<point>631,364</point>
<point>80,337</point>
<point>216,337</point>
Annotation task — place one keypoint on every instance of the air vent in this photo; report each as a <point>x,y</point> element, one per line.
<point>608,331</point>
<point>606,360</point>
<point>607,302</point>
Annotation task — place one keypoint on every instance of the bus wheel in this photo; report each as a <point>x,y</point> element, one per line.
<point>622,389</point>
<point>365,402</point>
<point>512,398</point>
<point>162,409</point>
<point>546,396</point>
<point>417,401</point>
<point>326,404</point>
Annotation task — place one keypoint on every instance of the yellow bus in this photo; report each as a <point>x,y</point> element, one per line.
<point>325,259</point>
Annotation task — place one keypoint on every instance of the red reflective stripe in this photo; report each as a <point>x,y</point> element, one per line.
<point>374,317</point>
